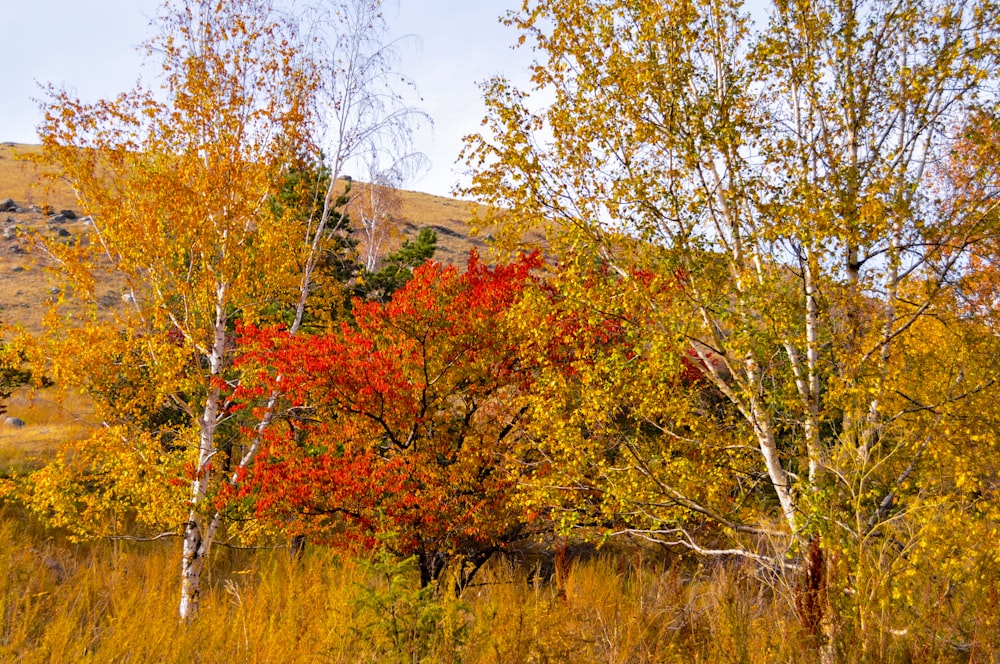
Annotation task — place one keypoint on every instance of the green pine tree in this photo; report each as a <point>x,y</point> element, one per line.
<point>397,268</point>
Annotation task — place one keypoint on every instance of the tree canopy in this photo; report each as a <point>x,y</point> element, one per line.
<point>818,181</point>
<point>215,195</point>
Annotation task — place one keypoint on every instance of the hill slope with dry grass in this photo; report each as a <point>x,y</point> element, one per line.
<point>50,208</point>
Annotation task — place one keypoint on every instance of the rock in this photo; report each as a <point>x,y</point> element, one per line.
<point>15,422</point>
<point>8,205</point>
<point>17,249</point>
<point>62,232</point>
<point>17,268</point>
<point>68,214</point>
<point>57,219</point>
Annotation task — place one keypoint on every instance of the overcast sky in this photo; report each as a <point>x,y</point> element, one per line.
<point>90,45</point>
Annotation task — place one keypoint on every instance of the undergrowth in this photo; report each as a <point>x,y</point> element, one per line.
<point>116,602</point>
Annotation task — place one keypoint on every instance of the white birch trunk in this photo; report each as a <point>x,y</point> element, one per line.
<point>772,461</point>
<point>198,539</point>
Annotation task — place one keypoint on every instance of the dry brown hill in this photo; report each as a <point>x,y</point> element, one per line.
<point>25,287</point>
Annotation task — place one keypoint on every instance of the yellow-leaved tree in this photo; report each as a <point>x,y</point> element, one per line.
<point>214,198</point>
<point>789,179</point>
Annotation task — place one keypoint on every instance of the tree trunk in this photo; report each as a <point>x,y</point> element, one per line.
<point>198,539</point>
<point>431,565</point>
<point>192,562</point>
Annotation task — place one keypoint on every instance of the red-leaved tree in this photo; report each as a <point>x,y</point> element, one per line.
<point>401,430</point>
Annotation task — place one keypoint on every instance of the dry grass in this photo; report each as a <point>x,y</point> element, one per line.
<point>414,210</point>
<point>115,602</point>
<point>26,287</point>
<point>22,181</point>
<point>51,418</point>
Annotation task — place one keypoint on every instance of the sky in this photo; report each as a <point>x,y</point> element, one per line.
<point>90,46</point>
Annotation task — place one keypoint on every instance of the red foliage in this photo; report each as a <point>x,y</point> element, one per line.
<point>399,429</point>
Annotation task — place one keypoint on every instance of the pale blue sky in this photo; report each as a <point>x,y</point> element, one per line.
<point>90,45</point>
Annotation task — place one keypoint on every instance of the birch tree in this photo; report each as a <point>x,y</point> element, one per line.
<point>181,182</point>
<point>376,209</point>
<point>791,173</point>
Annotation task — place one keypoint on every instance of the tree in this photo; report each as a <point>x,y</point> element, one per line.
<point>375,208</point>
<point>305,191</point>
<point>400,433</point>
<point>789,174</point>
<point>396,269</point>
<point>182,183</point>
<point>632,435</point>
<point>375,211</point>
<point>970,174</point>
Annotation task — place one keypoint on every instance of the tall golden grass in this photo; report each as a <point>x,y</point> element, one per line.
<point>115,602</point>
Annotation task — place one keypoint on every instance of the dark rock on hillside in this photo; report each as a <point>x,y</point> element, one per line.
<point>69,214</point>
<point>443,230</point>
<point>8,205</point>
<point>57,219</point>
<point>62,232</point>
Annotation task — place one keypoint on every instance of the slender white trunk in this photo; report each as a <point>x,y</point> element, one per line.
<point>769,447</point>
<point>198,539</point>
<point>772,461</point>
<point>812,367</point>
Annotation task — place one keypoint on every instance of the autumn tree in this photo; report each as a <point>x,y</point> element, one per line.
<point>400,431</point>
<point>377,207</point>
<point>788,172</point>
<point>182,183</point>
<point>971,173</point>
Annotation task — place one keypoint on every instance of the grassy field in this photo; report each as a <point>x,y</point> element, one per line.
<point>115,602</point>
<point>21,180</point>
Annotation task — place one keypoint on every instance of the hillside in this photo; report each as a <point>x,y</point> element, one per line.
<point>25,286</point>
